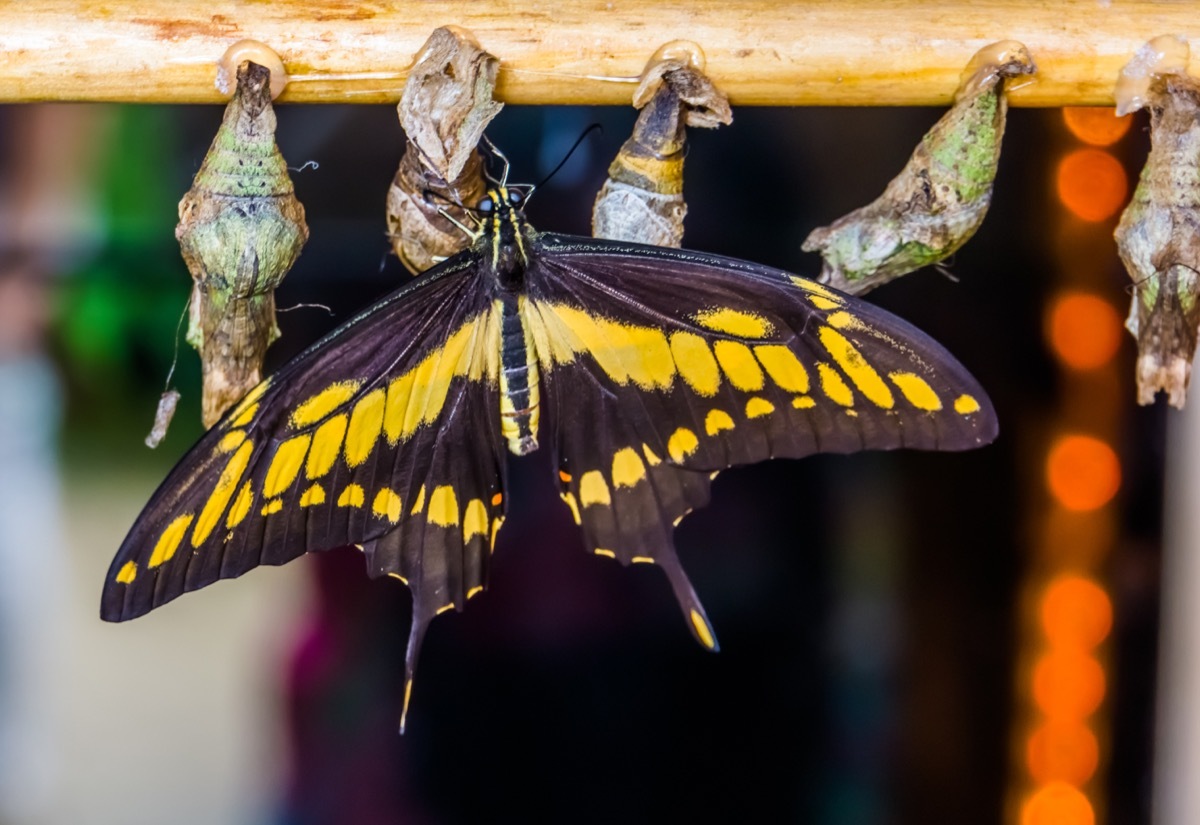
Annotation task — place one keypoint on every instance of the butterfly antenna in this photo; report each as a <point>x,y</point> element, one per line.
<point>593,128</point>
<point>492,148</point>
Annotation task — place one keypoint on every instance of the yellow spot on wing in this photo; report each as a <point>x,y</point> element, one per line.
<point>593,489</point>
<point>417,396</point>
<point>313,495</point>
<point>326,445</point>
<point>651,458</point>
<point>243,414</point>
<point>681,444</point>
<point>285,466</point>
<point>127,573</point>
<point>443,507</point>
<point>240,508</point>
<point>739,364</point>
<point>716,421</point>
<point>386,505</point>
<point>803,402</point>
<point>783,366</point>
<point>398,576</point>
<point>431,378</point>
<point>475,520</point>
<point>623,351</point>
<point>231,441</point>
<point>828,297</point>
<point>314,409</point>
<point>916,390</point>
<point>758,407</point>
<point>474,591</point>
<point>352,496</point>
<point>703,630</point>
<point>695,362</point>
<point>169,541</point>
<point>419,504</point>
<point>844,320</point>
<point>833,385</point>
<point>627,468</point>
<point>965,405</point>
<point>735,322</point>
<point>569,498</point>
<point>444,608</point>
<point>599,551</point>
<point>366,422</point>
<point>855,365</point>
<point>222,491</point>
<point>272,506</point>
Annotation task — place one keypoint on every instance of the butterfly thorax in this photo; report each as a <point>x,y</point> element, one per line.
<point>505,234</point>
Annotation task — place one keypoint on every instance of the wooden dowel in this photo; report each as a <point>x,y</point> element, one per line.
<point>760,52</point>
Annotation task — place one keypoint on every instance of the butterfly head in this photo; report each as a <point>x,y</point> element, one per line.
<point>501,214</point>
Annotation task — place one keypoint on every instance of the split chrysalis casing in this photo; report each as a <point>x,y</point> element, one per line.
<point>446,105</point>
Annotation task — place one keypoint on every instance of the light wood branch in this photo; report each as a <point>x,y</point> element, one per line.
<point>760,52</point>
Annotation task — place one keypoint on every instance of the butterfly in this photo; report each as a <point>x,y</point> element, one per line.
<point>643,370</point>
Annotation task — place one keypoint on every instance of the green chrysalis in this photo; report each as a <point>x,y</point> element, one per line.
<point>240,230</point>
<point>935,205</point>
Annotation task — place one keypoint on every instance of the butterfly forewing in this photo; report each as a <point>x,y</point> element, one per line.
<point>717,362</point>
<point>354,442</point>
<point>662,366</point>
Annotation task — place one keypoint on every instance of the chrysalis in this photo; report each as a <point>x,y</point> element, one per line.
<point>642,200</point>
<point>1159,233</point>
<point>240,229</point>
<point>935,205</point>
<point>447,103</point>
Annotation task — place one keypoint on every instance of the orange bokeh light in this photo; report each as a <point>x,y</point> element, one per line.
<point>1096,125</point>
<point>1083,473</point>
<point>1076,613</point>
<point>1068,685</point>
<point>1092,184</point>
<point>1084,330</point>
<point>1062,751</point>
<point>1058,804</point>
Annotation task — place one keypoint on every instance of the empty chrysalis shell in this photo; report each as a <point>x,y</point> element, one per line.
<point>642,200</point>
<point>240,230</point>
<point>935,205</point>
<point>1158,238</point>
<point>446,105</point>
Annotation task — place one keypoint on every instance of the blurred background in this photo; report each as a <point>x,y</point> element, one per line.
<point>906,637</point>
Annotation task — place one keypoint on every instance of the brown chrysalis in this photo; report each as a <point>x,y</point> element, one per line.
<point>447,103</point>
<point>1158,236</point>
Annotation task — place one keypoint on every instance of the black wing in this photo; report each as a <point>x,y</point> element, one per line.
<point>664,366</point>
<point>385,434</point>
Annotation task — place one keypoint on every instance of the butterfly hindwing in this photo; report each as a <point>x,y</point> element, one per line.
<point>385,435</point>
<point>663,366</point>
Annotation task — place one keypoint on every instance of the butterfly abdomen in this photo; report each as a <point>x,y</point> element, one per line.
<point>519,398</point>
